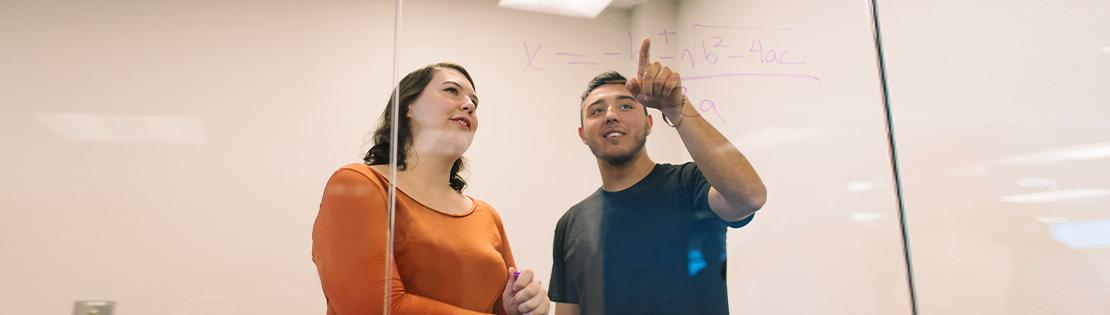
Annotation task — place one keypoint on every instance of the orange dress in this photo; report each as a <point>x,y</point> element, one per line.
<point>443,264</point>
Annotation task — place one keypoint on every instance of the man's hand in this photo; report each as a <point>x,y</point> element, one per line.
<point>656,85</point>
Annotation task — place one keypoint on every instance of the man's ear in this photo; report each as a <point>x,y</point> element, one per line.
<point>581,135</point>
<point>650,123</point>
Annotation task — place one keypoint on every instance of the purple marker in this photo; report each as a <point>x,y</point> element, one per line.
<point>516,274</point>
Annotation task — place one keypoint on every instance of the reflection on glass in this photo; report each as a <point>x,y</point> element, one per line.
<point>1093,151</point>
<point>1083,234</point>
<point>120,128</point>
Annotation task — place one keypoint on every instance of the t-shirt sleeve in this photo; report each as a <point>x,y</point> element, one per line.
<point>699,192</point>
<point>559,288</point>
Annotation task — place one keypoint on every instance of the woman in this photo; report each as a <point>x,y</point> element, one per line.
<point>450,255</point>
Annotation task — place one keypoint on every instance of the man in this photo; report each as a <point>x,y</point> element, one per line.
<point>651,240</point>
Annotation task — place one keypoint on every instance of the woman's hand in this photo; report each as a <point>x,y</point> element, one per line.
<point>524,295</point>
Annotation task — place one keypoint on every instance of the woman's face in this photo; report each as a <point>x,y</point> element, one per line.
<point>444,116</point>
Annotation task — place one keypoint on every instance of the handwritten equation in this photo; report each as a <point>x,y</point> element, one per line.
<point>713,52</point>
<point>713,48</point>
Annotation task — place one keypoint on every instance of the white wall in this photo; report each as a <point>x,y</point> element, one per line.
<point>1001,118</point>
<point>171,155</point>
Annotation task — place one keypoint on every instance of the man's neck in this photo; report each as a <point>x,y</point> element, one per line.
<point>621,177</point>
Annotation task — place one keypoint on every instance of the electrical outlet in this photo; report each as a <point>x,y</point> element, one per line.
<point>93,307</point>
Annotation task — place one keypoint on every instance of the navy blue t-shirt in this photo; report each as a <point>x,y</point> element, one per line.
<point>654,248</point>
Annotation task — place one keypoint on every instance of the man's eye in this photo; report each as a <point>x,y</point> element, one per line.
<point>626,106</point>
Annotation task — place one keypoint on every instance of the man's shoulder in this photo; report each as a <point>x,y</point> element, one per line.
<point>673,169</point>
<point>676,174</point>
<point>588,204</point>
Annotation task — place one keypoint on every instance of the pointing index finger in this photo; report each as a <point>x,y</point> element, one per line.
<point>645,58</point>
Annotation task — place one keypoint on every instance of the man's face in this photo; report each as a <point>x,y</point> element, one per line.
<point>614,125</point>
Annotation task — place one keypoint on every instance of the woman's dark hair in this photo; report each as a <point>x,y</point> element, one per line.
<point>408,90</point>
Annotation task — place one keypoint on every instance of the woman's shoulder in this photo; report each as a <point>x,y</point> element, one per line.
<point>358,174</point>
<point>481,206</point>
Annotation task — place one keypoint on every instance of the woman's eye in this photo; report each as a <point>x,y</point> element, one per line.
<point>453,91</point>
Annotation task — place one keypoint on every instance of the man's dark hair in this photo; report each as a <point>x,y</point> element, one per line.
<point>607,77</point>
